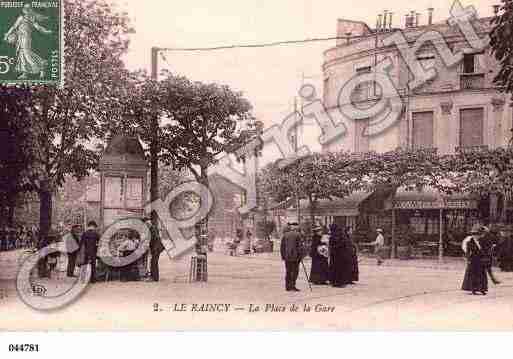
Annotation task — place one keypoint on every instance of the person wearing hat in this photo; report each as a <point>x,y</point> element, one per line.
<point>475,279</point>
<point>89,242</point>
<point>319,273</point>
<point>156,248</point>
<point>291,253</point>
<point>488,241</point>
<point>379,243</point>
<point>505,249</point>
<point>72,243</point>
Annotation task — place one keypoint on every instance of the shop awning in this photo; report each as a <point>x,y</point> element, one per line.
<point>430,198</point>
<point>344,207</point>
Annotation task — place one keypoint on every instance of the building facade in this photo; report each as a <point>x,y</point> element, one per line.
<point>458,109</point>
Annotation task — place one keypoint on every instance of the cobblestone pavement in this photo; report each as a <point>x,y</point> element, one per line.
<point>400,295</point>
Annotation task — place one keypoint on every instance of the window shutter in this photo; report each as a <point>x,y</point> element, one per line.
<point>423,129</point>
<point>471,127</point>
<point>362,141</point>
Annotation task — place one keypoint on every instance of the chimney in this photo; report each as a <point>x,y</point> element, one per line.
<point>430,15</point>
<point>348,35</point>
<point>378,28</point>
<point>417,16</point>
<point>406,20</point>
<point>390,21</point>
<point>496,9</point>
<point>385,20</point>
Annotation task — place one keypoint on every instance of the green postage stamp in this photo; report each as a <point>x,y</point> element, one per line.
<point>31,42</point>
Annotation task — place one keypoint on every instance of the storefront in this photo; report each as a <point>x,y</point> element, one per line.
<point>342,211</point>
<point>430,220</point>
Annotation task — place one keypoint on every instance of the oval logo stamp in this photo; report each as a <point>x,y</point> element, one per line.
<point>31,42</point>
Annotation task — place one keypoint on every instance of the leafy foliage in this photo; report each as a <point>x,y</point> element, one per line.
<point>64,121</point>
<point>501,43</point>
<point>203,123</point>
<point>16,148</point>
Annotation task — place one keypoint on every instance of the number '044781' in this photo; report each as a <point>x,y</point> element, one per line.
<point>23,347</point>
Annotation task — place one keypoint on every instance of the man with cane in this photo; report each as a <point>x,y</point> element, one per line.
<point>291,253</point>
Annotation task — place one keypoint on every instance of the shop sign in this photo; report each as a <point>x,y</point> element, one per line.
<point>412,204</point>
<point>462,203</point>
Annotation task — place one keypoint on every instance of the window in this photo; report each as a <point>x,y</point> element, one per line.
<point>114,192</point>
<point>363,91</point>
<point>422,123</point>
<point>134,192</point>
<point>468,63</point>
<point>361,140</point>
<point>471,127</point>
<point>427,61</point>
<point>472,63</point>
<point>418,225</point>
<point>433,226</point>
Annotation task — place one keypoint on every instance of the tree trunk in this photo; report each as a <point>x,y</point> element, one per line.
<point>10,210</point>
<point>154,168</point>
<point>312,210</point>
<point>45,212</point>
<point>504,216</point>
<point>204,181</point>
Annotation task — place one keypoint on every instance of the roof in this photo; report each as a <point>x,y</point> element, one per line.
<point>347,206</point>
<point>125,151</point>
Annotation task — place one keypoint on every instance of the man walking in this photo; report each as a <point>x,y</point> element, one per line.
<point>291,253</point>
<point>72,243</point>
<point>379,243</point>
<point>156,247</point>
<point>90,239</point>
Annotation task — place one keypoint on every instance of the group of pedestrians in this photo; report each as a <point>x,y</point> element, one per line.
<point>480,248</point>
<point>334,256</point>
<point>12,238</point>
<point>82,249</point>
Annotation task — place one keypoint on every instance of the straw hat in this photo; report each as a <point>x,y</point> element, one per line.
<point>317,228</point>
<point>379,230</point>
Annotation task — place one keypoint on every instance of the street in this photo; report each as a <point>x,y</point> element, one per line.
<point>247,292</point>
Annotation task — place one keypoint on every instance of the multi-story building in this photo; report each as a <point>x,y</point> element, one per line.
<point>460,108</point>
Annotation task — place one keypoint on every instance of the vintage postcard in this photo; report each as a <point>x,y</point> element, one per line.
<point>253,165</point>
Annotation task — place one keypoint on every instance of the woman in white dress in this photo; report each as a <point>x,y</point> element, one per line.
<point>27,61</point>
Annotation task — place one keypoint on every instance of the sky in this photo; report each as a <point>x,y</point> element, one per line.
<point>269,77</point>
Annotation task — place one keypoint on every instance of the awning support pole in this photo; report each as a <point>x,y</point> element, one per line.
<point>441,240</point>
<point>393,233</point>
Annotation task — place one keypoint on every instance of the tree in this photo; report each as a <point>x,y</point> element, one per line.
<point>203,124</point>
<point>409,168</point>
<point>314,177</point>
<point>483,173</point>
<point>501,42</point>
<point>66,120</point>
<point>16,148</point>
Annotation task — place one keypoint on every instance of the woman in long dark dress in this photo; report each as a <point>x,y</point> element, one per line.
<point>355,272</point>
<point>319,273</point>
<point>340,258</point>
<point>475,279</point>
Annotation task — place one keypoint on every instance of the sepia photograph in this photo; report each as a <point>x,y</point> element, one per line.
<point>255,166</point>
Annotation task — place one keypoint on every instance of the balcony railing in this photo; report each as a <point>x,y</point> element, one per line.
<point>471,81</point>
